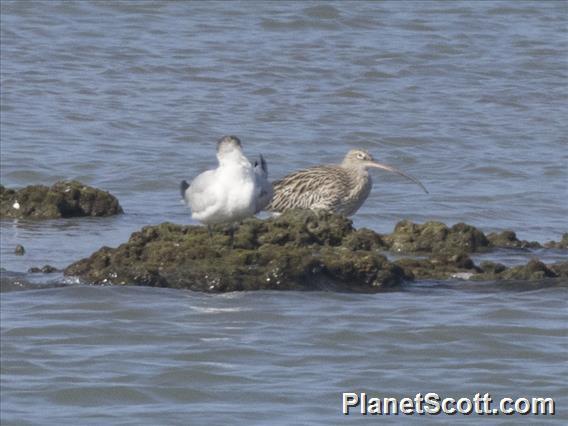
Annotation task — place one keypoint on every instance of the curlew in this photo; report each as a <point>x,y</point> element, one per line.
<point>233,191</point>
<point>340,188</point>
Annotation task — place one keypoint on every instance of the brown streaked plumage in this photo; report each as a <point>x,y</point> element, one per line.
<point>341,188</point>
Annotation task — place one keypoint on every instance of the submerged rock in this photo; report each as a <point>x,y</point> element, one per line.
<point>63,199</point>
<point>533,270</point>
<point>562,244</point>
<point>46,269</point>
<point>19,250</point>
<point>297,250</point>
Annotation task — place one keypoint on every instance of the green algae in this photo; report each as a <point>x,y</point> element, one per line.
<point>63,199</point>
<point>297,250</point>
<point>300,250</point>
<point>508,239</point>
<point>436,237</point>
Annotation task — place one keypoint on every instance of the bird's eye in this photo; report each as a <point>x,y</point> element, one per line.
<point>361,156</point>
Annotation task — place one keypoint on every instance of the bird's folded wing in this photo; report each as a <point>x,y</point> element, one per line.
<point>201,194</point>
<point>317,187</point>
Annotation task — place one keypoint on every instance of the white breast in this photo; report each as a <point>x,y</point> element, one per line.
<point>226,194</point>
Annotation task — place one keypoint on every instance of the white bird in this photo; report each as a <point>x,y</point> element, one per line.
<point>231,192</point>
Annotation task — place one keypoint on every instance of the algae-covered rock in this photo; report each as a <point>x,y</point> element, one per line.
<point>300,249</point>
<point>62,200</point>
<point>560,269</point>
<point>306,227</point>
<point>297,250</point>
<point>441,267</point>
<point>435,237</point>
<point>508,239</point>
<point>46,269</point>
<point>365,239</point>
<point>534,270</point>
<point>492,268</point>
<point>562,244</point>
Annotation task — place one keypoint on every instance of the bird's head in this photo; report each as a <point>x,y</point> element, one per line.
<point>362,160</point>
<point>228,146</point>
<point>358,158</point>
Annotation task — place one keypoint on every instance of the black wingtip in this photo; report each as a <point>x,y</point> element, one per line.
<point>262,162</point>
<point>183,187</point>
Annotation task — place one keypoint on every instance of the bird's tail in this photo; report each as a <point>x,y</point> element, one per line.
<point>183,187</point>
<point>260,167</point>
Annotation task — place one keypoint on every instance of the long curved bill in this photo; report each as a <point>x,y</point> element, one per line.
<point>398,172</point>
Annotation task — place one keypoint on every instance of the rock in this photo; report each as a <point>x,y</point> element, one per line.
<point>533,270</point>
<point>299,250</point>
<point>435,237</point>
<point>560,269</point>
<point>61,200</point>
<point>46,269</point>
<point>509,239</point>
<point>493,268</point>
<point>19,250</point>
<point>562,244</point>
<point>439,267</point>
<point>365,239</point>
<point>17,281</point>
<point>442,267</point>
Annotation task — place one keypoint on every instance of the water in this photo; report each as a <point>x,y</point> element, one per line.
<point>131,96</point>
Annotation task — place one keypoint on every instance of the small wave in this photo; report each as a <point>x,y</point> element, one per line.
<point>16,281</point>
<point>322,12</point>
<point>418,26</point>
<point>209,310</point>
<point>347,93</point>
<point>377,75</point>
<point>297,24</point>
<point>504,10</point>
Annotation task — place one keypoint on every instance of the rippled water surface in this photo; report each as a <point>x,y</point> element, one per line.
<point>470,97</point>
